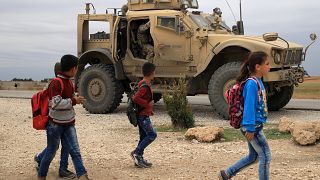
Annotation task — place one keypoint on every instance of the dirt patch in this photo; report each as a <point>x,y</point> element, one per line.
<point>106,141</point>
<point>313,79</point>
<point>309,89</point>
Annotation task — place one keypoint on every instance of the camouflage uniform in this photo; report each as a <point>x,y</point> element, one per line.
<point>144,41</point>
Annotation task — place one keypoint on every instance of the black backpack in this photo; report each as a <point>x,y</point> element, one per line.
<point>133,108</point>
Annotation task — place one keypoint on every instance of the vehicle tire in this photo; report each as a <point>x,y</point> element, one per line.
<point>280,98</point>
<point>156,97</point>
<point>98,85</point>
<point>221,80</point>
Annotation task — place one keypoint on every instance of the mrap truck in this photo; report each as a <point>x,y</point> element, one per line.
<point>187,43</point>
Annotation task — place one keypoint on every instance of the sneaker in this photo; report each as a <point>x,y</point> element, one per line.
<point>37,162</point>
<point>84,177</point>
<point>149,164</point>
<point>223,175</point>
<point>66,174</point>
<point>132,156</point>
<point>138,160</point>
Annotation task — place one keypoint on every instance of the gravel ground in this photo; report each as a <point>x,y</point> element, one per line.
<point>106,141</point>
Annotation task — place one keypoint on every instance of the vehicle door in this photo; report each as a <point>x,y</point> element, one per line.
<point>170,42</point>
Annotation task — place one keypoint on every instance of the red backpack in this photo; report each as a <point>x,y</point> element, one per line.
<point>235,102</point>
<point>40,107</point>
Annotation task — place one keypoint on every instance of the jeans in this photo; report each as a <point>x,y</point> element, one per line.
<point>68,135</point>
<point>147,134</point>
<point>64,155</point>
<point>258,150</point>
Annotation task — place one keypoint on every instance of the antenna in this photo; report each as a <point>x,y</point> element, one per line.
<point>234,17</point>
<point>240,11</point>
<point>240,23</point>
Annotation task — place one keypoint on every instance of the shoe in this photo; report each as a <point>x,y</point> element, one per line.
<point>149,164</point>
<point>37,161</point>
<point>41,178</point>
<point>132,156</point>
<point>66,174</point>
<point>138,160</point>
<point>84,177</point>
<point>223,175</point>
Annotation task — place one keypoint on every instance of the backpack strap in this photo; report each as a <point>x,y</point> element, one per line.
<point>145,84</point>
<point>259,86</point>
<point>61,84</point>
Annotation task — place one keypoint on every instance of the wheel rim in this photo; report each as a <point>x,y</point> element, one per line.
<point>229,84</point>
<point>96,89</point>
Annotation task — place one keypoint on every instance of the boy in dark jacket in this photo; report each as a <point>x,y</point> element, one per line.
<point>143,98</point>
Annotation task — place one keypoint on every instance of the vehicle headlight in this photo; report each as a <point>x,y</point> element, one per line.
<point>277,58</point>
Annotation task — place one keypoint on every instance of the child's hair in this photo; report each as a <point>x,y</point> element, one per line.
<point>57,68</point>
<point>249,65</point>
<point>148,68</point>
<point>67,62</point>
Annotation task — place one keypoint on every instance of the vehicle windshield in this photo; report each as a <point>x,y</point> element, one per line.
<point>201,21</point>
<point>206,22</point>
<point>222,24</point>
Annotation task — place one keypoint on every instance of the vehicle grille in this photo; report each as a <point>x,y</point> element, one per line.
<point>293,57</point>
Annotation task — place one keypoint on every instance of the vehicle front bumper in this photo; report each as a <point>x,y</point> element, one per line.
<point>293,75</point>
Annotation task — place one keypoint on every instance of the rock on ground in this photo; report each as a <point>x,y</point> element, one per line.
<point>285,124</point>
<point>304,133</point>
<point>204,134</point>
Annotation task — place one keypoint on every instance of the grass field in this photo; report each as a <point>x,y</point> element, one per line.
<point>231,134</point>
<point>309,89</point>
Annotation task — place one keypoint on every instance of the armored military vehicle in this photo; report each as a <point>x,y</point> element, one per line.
<point>186,44</point>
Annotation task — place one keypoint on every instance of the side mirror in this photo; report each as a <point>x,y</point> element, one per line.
<point>270,36</point>
<point>235,29</point>
<point>313,36</point>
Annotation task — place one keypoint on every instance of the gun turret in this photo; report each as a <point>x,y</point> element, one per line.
<point>138,5</point>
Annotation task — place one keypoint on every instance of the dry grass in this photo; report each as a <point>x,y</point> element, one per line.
<point>309,89</point>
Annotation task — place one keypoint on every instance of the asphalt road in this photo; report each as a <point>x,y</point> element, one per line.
<point>303,104</point>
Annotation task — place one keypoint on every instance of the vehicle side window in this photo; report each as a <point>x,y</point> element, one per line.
<point>167,22</point>
<point>147,1</point>
<point>134,1</point>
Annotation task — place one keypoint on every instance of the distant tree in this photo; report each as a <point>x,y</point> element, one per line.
<point>25,79</point>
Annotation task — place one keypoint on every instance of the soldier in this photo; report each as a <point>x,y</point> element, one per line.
<point>144,40</point>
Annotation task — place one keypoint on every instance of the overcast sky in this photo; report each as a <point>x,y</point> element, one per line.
<point>34,34</point>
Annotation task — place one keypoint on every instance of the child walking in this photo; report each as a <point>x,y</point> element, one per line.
<point>254,115</point>
<point>63,169</point>
<point>61,125</point>
<point>143,98</point>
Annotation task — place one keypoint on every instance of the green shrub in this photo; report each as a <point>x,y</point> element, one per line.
<point>175,99</point>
